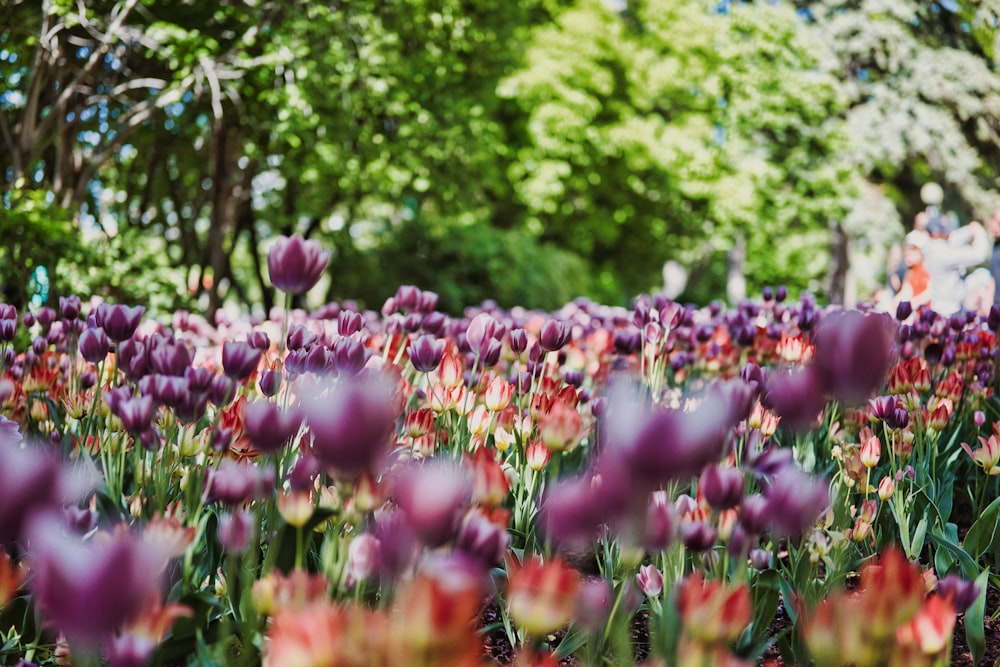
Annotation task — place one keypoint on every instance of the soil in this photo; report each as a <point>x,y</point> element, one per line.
<point>498,648</point>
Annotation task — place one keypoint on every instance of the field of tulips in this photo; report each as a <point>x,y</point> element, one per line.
<point>777,483</point>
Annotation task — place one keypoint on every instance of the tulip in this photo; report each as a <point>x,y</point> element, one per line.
<point>426,353</point>
<point>434,497</point>
<point>541,595</point>
<point>650,581</point>
<point>295,264</point>
<point>239,359</point>
<point>712,612</point>
<point>236,530</point>
<point>89,590</point>
<point>268,426</point>
<point>352,424</point>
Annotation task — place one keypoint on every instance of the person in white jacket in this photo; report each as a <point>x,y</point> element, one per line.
<point>947,256</point>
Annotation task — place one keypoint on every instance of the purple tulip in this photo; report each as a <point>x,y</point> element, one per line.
<point>88,590</point>
<point>269,382</point>
<point>234,483</point>
<point>352,423</point>
<point>118,321</point>
<point>426,353</point>
<point>853,354</point>
<point>661,522</point>
<point>698,536</point>
<point>94,345</point>
<point>554,335</point>
<point>239,359</point>
<point>136,414</point>
<point>349,323</point>
<point>236,530</point>
<point>482,540</point>
<point>295,264</point>
<point>349,356</point>
<point>722,487</point>
<point>434,497</point>
<point>795,500</point>
<point>30,480</point>
<point>268,426</point>
<point>961,592</point>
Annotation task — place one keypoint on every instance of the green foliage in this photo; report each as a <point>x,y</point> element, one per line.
<point>468,264</point>
<point>670,132</point>
<point>36,233</point>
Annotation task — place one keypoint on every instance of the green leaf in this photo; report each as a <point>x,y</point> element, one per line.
<point>572,642</point>
<point>982,533</point>
<point>949,552</point>
<point>975,626</point>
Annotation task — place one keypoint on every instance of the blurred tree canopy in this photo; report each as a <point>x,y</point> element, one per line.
<point>528,151</point>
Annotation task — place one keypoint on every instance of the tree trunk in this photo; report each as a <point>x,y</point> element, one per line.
<point>839,263</point>
<point>736,282</point>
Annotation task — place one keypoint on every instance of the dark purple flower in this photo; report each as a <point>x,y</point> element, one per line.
<point>136,414</point>
<point>554,335</point>
<point>304,472</point>
<point>259,340</point>
<point>132,359</point>
<point>427,301</point>
<point>352,423</point>
<point>45,317</point>
<point>426,353</point>
<point>398,546</point>
<point>406,296</point>
<point>30,480</point>
<point>295,265</point>
<point>517,339</point>
<point>767,293</point>
<point>234,483</point>
<point>94,345</point>
<point>434,323</point>
<point>199,379</point>
<point>236,530</point>
<point>349,356</point>
<point>853,354</point>
<point>269,382</point>
<point>348,323</point>
<point>961,592</point>
<point>434,497</point>
<point>676,445</point>
<point>239,359</point>
<point>760,559</point>
<point>88,590</point>
<point>797,396</point>
<point>482,540</point>
<point>661,522</point>
<point>795,500</point>
<point>170,357</point>
<point>268,426</point>
<point>722,487</point>
<point>69,307</point>
<point>299,337</point>
<point>119,321</point>
<point>753,514</point>
<point>903,310</point>
<point>8,330</point>
<point>698,536</point>
<point>221,390</point>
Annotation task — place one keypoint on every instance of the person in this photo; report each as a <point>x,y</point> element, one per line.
<point>947,254</point>
<point>994,228</point>
<point>916,280</point>
<point>980,294</point>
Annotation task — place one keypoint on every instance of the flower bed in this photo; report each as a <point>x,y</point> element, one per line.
<point>598,485</point>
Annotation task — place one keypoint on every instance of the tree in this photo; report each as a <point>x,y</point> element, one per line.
<point>670,131</point>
